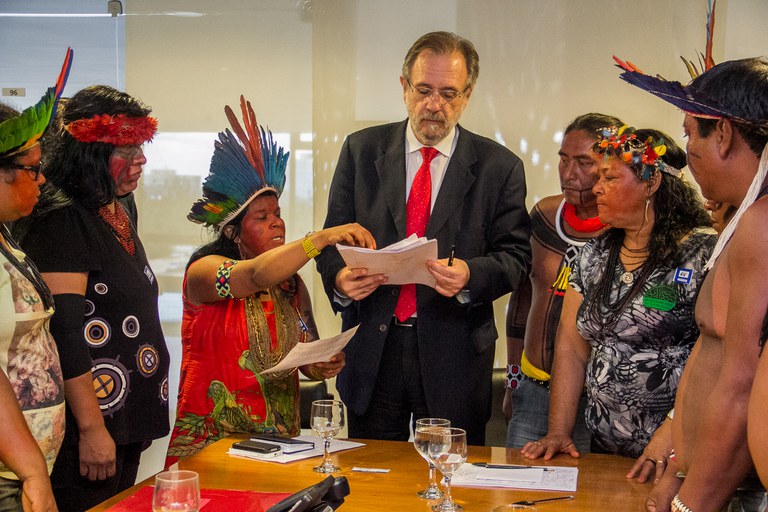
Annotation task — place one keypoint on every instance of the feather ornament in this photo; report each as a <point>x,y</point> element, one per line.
<point>706,61</point>
<point>672,92</point>
<point>21,133</point>
<point>246,162</point>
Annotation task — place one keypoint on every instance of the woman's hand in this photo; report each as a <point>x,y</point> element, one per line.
<point>348,234</point>
<point>97,454</point>
<point>655,458</point>
<point>550,446</point>
<point>325,370</point>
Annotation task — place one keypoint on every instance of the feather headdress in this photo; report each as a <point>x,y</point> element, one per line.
<point>691,101</point>
<point>705,60</point>
<point>696,104</point>
<point>21,133</point>
<point>244,165</point>
<point>642,156</point>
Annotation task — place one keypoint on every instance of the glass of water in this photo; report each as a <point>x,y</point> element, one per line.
<point>327,421</point>
<point>421,442</point>
<point>176,491</point>
<point>447,451</point>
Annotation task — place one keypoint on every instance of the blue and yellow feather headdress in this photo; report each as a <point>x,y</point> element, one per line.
<point>21,133</point>
<point>244,165</point>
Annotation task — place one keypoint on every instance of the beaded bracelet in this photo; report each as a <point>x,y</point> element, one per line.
<point>222,279</point>
<point>309,247</point>
<point>679,506</point>
<point>514,376</point>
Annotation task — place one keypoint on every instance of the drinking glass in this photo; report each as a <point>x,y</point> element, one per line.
<point>327,420</point>
<point>176,491</point>
<point>447,451</point>
<point>421,442</point>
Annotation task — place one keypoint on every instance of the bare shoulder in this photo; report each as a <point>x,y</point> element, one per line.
<point>750,239</point>
<point>548,206</point>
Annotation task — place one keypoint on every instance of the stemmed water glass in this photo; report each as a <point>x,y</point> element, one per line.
<point>421,442</point>
<point>176,490</point>
<point>327,420</point>
<point>447,451</point>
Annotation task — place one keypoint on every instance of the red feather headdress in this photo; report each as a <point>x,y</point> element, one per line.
<point>118,130</point>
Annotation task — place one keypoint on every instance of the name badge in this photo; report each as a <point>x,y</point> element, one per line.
<point>683,275</point>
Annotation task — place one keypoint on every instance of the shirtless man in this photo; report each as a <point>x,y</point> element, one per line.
<point>561,224</point>
<point>758,414</point>
<point>726,124</point>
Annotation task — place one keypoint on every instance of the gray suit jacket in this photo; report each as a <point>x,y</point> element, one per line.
<point>481,209</point>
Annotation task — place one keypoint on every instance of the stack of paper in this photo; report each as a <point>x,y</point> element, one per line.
<point>541,478</point>
<point>403,262</point>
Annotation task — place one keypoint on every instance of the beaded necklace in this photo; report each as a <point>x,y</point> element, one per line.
<point>265,352</point>
<point>120,226</point>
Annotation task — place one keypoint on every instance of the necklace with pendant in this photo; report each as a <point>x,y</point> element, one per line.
<point>627,278</point>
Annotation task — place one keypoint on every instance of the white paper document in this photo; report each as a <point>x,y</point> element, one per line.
<point>403,262</point>
<point>337,445</point>
<point>314,352</point>
<point>539,478</point>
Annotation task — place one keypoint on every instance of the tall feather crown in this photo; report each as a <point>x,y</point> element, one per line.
<point>21,133</point>
<point>244,165</point>
<point>687,98</point>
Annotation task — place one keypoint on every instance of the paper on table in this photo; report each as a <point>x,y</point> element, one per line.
<point>553,478</point>
<point>337,445</point>
<point>403,262</point>
<point>317,351</point>
<point>512,475</point>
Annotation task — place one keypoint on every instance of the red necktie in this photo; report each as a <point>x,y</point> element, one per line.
<point>416,219</point>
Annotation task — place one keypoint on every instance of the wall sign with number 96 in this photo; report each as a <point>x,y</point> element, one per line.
<point>14,91</point>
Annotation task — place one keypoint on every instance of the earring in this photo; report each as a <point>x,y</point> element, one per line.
<point>647,202</point>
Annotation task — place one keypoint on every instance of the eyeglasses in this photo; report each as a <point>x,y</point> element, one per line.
<point>33,170</point>
<point>444,95</point>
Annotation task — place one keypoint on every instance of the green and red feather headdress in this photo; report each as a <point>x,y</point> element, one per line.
<point>244,165</point>
<point>21,133</point>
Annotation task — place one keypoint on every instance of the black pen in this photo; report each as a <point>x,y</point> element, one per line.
<point>451,255</point>
<point>488,465</point>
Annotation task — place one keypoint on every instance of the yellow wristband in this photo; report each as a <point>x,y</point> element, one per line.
<point>309,247</point>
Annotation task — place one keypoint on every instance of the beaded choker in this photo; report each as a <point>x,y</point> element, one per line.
<point>581,225</point>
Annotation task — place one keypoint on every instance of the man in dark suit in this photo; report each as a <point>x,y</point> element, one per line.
<point>427,351</point>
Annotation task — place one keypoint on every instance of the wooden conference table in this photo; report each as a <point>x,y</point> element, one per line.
<point>601,485</point>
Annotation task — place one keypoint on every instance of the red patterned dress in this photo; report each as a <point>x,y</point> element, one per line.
<point>225,345</point>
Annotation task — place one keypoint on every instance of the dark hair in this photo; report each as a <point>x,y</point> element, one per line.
<point>677,207</point>
<point>739,87</point>
<point>80,171</point>
<point>7,112</point>
<point>592,122</point>
<point>442,43</point>
<point>224,243</point>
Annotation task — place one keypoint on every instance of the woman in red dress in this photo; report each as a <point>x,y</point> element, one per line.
<point>244,305</point>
